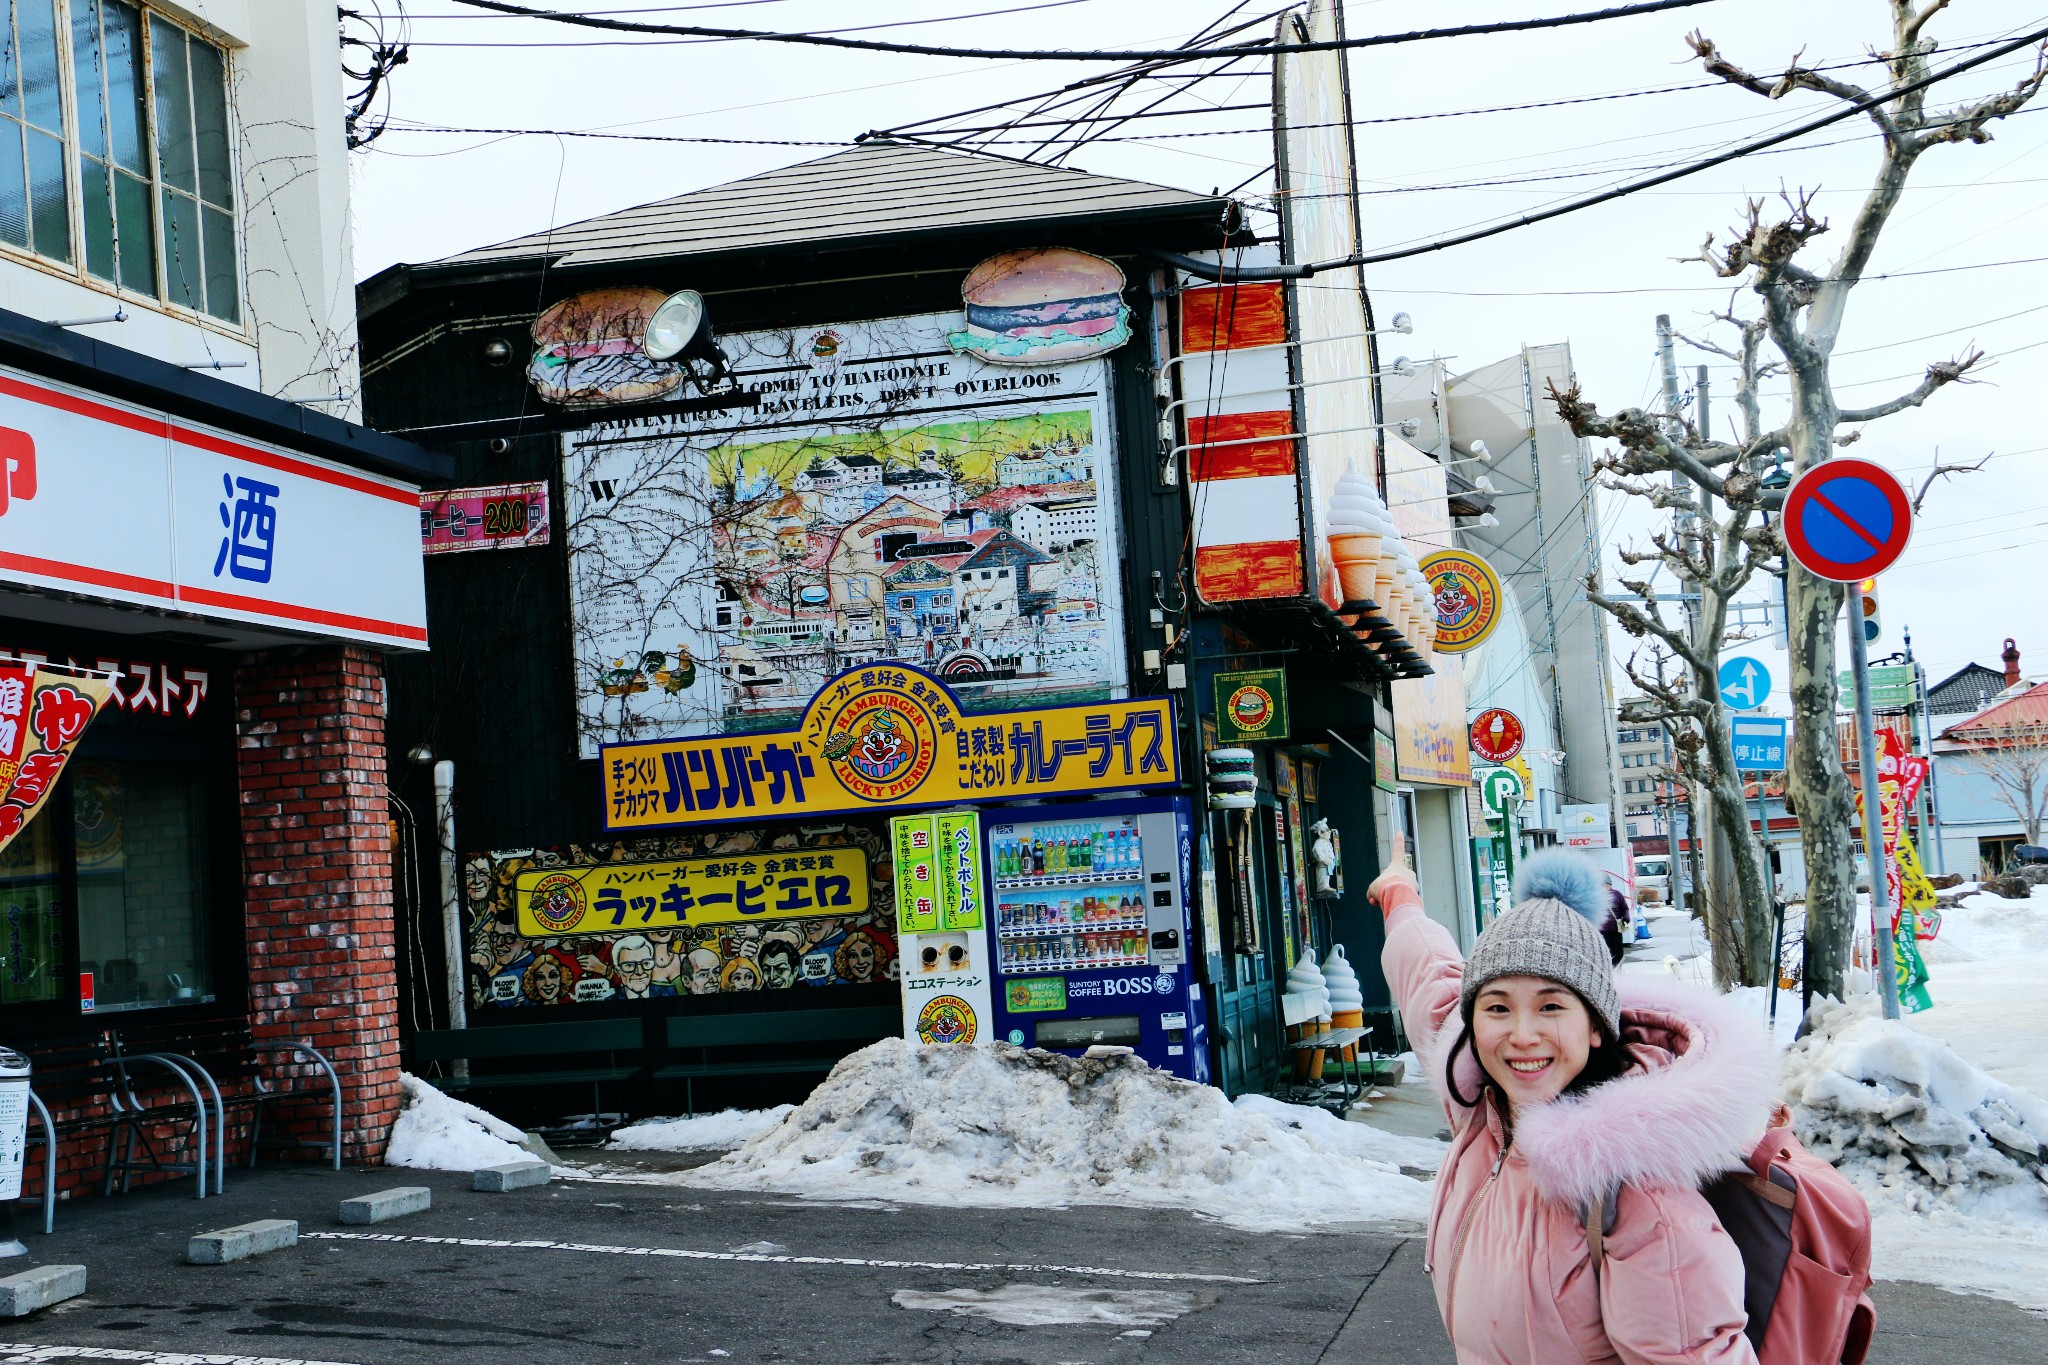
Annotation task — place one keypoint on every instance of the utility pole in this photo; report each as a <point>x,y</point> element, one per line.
<point>1668,359</point>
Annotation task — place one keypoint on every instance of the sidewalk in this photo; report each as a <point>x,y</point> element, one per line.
<point>614,1273</point>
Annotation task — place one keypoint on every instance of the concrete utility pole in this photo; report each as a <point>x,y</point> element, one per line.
<point>1668,357</point>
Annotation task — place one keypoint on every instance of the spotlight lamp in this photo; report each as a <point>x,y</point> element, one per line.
<point>1480,452</point>
<point>680,330</point>
<point>1488,519</point>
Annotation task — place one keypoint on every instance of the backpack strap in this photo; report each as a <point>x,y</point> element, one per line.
<point>1599,1219</point>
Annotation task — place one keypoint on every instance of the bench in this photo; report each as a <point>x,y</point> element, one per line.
<point>825,1037</point>
<point>604,1050</point>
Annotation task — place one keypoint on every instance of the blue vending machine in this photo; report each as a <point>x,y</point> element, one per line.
<point>1089,934</point>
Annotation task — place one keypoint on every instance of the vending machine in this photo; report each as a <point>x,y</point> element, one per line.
<point>1088,930</point>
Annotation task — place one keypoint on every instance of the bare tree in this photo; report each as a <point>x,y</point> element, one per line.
<point>2014,760</point>
<point>1803,308</point>
<point>1718,542</point>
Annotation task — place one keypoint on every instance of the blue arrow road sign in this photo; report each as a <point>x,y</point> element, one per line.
<point>1759,743</point>
<point>1745,684</point>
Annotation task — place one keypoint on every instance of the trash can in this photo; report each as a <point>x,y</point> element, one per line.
<point>14,1072</point>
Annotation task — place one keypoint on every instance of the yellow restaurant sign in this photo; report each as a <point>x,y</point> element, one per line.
<point>889,738</point>
<point>613,898</point>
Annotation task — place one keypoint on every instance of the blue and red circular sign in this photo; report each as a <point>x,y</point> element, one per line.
<point>1847,519</point>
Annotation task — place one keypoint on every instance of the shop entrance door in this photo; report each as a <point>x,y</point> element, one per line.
<point>1252,1044</point>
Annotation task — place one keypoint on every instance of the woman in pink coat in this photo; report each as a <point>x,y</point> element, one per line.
<point>1565,1091</point>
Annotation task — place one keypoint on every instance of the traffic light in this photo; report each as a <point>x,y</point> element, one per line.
<point>1866,591</point>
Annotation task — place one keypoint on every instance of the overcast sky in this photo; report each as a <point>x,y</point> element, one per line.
<point>1597,279</point>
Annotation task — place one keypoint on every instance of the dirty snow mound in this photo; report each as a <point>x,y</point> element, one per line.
<point>718,1132</point>
<point>437,1132</point>
<point>1325,1132</point>
<point>1950,1159</point>
<point>1002,1126</point>
<point>1988,926</point>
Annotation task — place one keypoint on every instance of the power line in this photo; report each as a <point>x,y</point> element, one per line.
<point>1077,55</point>
<point>1694,168</point>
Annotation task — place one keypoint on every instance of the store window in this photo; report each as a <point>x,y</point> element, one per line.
<point>145,200</point>
<point>144,903</point>
<point>32,969</point>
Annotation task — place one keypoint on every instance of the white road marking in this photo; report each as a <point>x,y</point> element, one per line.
<point>595,1248</point>
<point>12,1353</point>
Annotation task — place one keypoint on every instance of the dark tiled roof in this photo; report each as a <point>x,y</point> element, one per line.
<point>1966,691</point>
<point>878,189</point>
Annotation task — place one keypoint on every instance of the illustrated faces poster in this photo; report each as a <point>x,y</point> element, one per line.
<point>655,956</point>
<point>888,500</point>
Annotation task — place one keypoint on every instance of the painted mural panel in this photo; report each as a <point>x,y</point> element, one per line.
<point>514,964</point>
<point>888,500</point>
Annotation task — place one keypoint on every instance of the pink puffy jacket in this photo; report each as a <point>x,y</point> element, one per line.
<point>1507,1241</point>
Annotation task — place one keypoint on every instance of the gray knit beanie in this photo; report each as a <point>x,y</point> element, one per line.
<point>1551,933</point>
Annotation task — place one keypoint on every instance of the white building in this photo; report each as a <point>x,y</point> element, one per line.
<point>187,168</point>
<point>1054,526</point>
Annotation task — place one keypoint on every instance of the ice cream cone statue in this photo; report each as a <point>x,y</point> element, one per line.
<point>1305,983</point>
<point>1347,1002</point>
<point>1355,539</point>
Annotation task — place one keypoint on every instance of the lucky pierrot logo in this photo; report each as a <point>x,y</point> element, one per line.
<point>881,742</point>
<point>946,1019</point>
<point>558,902</point>
<point>1466,593</point>
<point>1251,707</point>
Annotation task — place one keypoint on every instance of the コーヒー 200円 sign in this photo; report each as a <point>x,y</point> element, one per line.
<point>889,738</point>
<point>613,898</point>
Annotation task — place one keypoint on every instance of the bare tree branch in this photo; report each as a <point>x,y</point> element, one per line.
<point>1939,375</point>
<point>1795,77</point>
<point>1941,471</point>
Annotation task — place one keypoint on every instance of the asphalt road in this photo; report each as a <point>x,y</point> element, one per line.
<point>634,1274</point>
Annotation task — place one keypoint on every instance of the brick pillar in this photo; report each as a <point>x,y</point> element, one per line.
<point>317,865</point>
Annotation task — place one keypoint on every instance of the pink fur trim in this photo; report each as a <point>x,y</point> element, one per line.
<point>1671,1125</point>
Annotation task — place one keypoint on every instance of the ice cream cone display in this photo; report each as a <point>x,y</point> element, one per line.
<point>1356,535</point>
<point>1347,1001</point>
<point>1305,983</point>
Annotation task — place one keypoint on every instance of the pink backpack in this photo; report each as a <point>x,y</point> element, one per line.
<point>1804,1234</point>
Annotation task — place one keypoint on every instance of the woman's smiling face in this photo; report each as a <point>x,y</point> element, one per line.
<point>1532,1035</point>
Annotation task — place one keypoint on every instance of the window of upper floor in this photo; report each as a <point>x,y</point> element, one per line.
<point>116,161</point>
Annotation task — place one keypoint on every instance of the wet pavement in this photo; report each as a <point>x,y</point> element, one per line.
<point>610,1271</point>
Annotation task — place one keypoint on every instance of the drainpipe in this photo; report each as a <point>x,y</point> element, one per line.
<point>451,904</point>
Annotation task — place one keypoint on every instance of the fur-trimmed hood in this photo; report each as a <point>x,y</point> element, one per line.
<point>1692,1108</point>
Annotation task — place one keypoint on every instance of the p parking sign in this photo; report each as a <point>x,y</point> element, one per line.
<point>1501,790</point>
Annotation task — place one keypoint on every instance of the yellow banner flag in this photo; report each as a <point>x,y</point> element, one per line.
<point>44,708</point>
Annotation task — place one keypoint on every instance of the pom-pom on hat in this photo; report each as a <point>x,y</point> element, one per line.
<point>1551,932</point>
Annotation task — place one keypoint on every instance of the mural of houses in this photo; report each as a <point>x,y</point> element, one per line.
<point>919,611</point>
<point>1055,525</point>
<point>927,483</point>
<point>868,547</point>
<point>1061,463</point>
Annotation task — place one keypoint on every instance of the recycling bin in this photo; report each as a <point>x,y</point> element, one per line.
<point>14,1073</point>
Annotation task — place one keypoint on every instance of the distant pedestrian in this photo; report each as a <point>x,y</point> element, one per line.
<point>1567,1090</point>
<point>1613,925</point>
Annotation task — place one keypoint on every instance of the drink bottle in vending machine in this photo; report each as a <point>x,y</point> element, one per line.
<point>1088,930</point>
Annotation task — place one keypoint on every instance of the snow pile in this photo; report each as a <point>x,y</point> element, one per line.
<point>437,1132</point>
<point>1001,1126</point>
<point>720,1132</point>
<point>1950,1159</point>
<point>1984,925</point>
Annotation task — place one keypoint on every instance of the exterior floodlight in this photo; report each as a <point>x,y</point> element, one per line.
<point>1488,519</point>
<point>1480,452</point>
<point>1485,485</point>
<point>1402,366</point>
<point>675,324</point>
<point>1403,324</point>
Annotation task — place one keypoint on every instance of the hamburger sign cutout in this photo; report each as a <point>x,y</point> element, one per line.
<point>1042,306</point>
<point>587,351</point>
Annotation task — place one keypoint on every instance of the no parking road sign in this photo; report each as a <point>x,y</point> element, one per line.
<point>1847,519</point>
